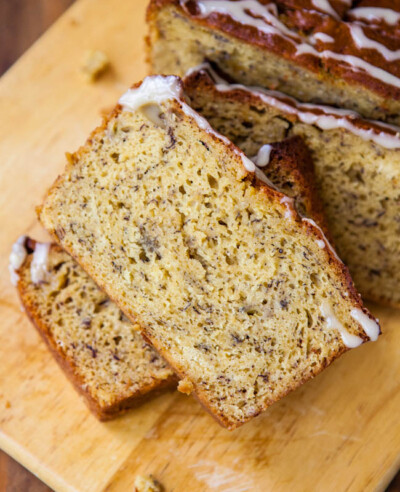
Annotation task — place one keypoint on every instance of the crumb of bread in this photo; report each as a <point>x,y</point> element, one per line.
<point>95,64</point>
<point>147,484</point>
<point>8,404</point>
<point>185,386</point>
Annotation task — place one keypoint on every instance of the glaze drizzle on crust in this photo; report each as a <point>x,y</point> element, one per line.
<point>324,117</point>
<point>288,30</point>
<point>352,48</point>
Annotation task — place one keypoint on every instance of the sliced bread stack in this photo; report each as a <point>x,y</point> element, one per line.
<point>243,297</point>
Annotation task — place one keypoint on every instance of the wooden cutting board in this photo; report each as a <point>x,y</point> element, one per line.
<point>339,432</point>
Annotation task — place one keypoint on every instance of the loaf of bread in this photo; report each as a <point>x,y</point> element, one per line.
<point>357,166</point>
<point>316,51</point>
<point>244,298</point>
<point>108,362</point>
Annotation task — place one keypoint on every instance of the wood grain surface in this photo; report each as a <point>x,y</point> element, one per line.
<point>21,23</point>
<point>339,432</point>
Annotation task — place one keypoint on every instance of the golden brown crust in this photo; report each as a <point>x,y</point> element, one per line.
<point>102,412</point>
<point>203,78</point>
<point>292,159</point>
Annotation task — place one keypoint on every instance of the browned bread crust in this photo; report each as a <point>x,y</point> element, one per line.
<point>118,402</point>
<point>291,170</point>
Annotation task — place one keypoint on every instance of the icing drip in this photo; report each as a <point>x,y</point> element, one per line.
<point>39,262</point>
<point>351,341</point>
<point>238,11</point>
<point>325,240</point>
<point>389,16</point>
<point>153,90</point>
<point>263,156</point>
<point>289,204</point>
<point>325,6</point>
<point>16,259</point>
<point>354,62</point>
<point>324,117</point>
<point>325,38</point>
<point>264,18</point>
<point>157,89</point>
<point>363,42</point>
<point>370,327</point>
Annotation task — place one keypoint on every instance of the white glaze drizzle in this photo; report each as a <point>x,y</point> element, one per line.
<point>389,16</point>
<point>364,42</point>
<point>351,341</point>
<point>289,204</point>
<point>263,156</point>
<point>269,24</point>
<point>240,11</point>
<point>326,7</point>
<point>39,262</point>
<point>321,36</point>
<point>353,62</point>
<point>331,118</point>
<point>325,240</point>
<point>321,243</point>
<point>157,89</point>
<point>16,258</point>
<point>370,326</point>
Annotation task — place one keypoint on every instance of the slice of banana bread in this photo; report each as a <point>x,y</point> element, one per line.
<point>357,166</point>
<point>74,326</point>
<point>108,362</point>
<point>306,49</point>
<point>243,298</point>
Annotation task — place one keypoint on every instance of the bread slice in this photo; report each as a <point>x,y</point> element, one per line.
<point>304,49</point>
<point>356,163</point>
<point>108,362</point>
<point>117,384</point>
<point>244,298</point>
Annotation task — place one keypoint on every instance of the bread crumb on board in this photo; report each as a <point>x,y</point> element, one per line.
<point>147,484</point>
<point>95,63</point>
<point>185,386</point>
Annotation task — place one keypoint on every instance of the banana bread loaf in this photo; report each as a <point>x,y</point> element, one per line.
<point>244,298</point>
<point>357,166</point>
<point>309,49</point>
<point>108,362</point>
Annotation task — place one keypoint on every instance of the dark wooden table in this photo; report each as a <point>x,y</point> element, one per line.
<point>21,23</point>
